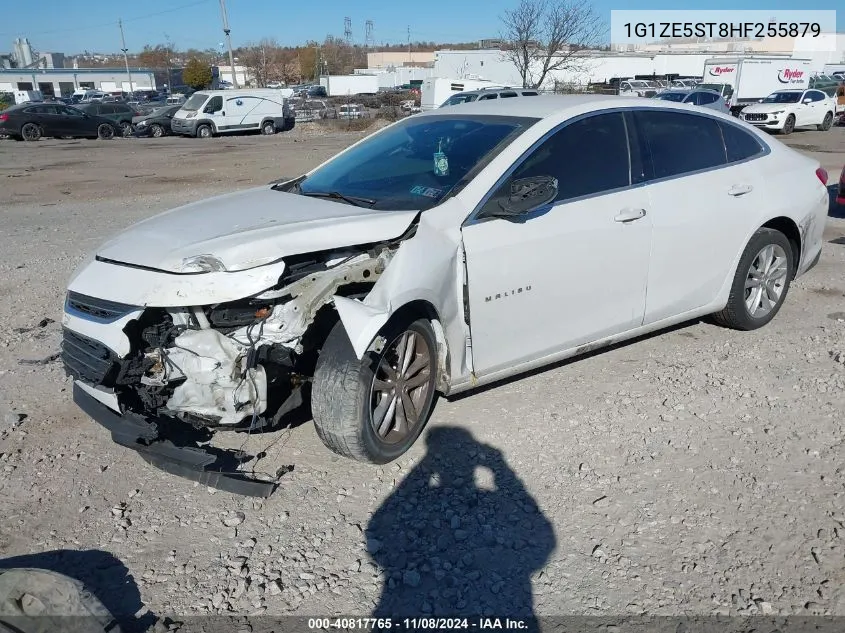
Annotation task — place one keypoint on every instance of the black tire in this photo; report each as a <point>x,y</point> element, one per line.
<point>341,396</point>
<point>788,125</point>
<point>827,123</point>
<point>736,314</point>
<point>204,131</point>
<point>126,128</point>
<point>31,132</point>
<point>105,132</point>
<point>156,131</point>
<point>268,128</point>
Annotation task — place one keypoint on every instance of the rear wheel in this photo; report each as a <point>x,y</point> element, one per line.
<point>827,123</point>
<point>268,128</point>
<point>105,132</point>
<point>204,131</point>
<point>156,130</point>
<point>374,409</point>
<point>788,125</point>
<point>760,283</point>
<point>31,132</point>
<point>126,128</point>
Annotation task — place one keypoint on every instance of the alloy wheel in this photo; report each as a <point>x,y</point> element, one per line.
<point>765,281</point>
<point>31,132</point>
<point>401,387</point>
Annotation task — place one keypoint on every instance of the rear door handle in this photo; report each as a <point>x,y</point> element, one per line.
<point>740,190</point>
<point>629,215</point>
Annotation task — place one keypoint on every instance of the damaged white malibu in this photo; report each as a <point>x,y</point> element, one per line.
<point>448,250</point>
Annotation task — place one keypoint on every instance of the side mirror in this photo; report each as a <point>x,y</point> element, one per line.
<point>807,100</point>
<point>526,194</point>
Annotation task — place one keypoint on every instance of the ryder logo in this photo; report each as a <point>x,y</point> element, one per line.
<point>787,76</point>
<point>721,70</point>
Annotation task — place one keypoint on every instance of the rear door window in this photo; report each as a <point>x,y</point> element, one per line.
<point>507,94</point>
<point>490,96</point>
<point>680,143</point>
<point>705,97</point>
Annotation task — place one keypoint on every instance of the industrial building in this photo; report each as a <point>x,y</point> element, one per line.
<point>601,66</point>
<point>63,81</point>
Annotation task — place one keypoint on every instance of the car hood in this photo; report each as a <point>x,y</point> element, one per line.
<point>765,108</point>
<point>149,119</point>
<point>251,228</point>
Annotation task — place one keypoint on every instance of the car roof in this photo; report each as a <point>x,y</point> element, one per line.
<point>552,106</point>
<point>790,90</point>
<point>540,107</point>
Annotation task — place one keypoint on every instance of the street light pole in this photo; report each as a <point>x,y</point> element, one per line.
<point>125,56</point>
<point>226,31</point>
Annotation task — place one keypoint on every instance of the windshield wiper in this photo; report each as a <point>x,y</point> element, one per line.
<point>336,195</point>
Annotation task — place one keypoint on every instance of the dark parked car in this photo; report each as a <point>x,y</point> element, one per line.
<point>156,123</point>
<point>120,113</point>
<point>31,121</point>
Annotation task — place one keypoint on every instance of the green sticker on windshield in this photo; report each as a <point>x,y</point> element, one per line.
<point>441,164</point>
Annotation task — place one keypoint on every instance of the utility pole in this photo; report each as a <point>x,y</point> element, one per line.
<point>169,63</point>
<point>409,43</point>
<point>125,56</point>
<point>226,31</point>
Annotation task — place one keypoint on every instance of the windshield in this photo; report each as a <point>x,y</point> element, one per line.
<point>672,96</point>
<point>783,97</point>
<point>461,98</point>
<point>195,102</point>
<point>416,163</point>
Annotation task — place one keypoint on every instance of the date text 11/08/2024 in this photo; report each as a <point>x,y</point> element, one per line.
<point>741,30</point>
<point>415,624</point>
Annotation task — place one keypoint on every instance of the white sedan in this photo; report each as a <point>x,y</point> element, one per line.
<point>449,250</point>
<point>785,110</point>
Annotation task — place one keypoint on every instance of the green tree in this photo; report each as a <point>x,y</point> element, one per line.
<point>196,74</point>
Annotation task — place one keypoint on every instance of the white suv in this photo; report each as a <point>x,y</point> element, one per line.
<point>785,110</point>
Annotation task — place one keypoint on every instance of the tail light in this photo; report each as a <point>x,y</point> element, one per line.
<point>4,117</point>
<point>822,174</point>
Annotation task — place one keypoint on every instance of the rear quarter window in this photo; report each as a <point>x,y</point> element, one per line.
<point>740,144</point>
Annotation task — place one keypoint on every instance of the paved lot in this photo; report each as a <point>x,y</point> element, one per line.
<point>695,471</point>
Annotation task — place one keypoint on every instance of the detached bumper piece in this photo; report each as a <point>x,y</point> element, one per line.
<point>206,465</point>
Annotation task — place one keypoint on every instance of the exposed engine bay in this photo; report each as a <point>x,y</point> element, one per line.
<point>242,361</point>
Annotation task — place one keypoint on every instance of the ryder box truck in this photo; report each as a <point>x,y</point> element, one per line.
<point>755,78</point>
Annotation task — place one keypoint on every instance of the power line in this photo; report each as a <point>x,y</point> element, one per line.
<point>91,27</point>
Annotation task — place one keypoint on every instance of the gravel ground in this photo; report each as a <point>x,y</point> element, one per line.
<point>696,471</point>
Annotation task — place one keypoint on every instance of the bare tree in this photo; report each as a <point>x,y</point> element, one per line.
<point>264,60</point>
<point>542,36</point>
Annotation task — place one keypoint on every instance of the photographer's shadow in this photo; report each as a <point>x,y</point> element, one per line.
<point>460,536</point>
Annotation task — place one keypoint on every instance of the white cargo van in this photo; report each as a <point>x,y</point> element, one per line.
<point>208,113</point>
<point>28,96</point>
<point>756,77</point>
<point>436,90</point>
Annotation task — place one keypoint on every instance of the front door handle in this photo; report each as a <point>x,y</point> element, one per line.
<point>740,190</point>
<point>629,215</point>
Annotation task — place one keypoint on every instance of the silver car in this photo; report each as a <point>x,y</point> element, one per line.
<point>704,98</point>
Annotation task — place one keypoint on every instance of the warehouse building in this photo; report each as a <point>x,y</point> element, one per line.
<point>64,81</point>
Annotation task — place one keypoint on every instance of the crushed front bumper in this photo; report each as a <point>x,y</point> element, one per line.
<point>206,465</point>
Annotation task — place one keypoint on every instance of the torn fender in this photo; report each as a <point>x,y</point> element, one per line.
<point>427,267</point>
<point>361,322</point>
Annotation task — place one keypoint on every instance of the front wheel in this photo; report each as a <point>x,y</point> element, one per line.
<point>788,125</point>
<point>204,131</point>
<point>827,123</point>
<point>760,283</point>
<point>156,130</point>
<point>126,129</point>
<point>373,410</point>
